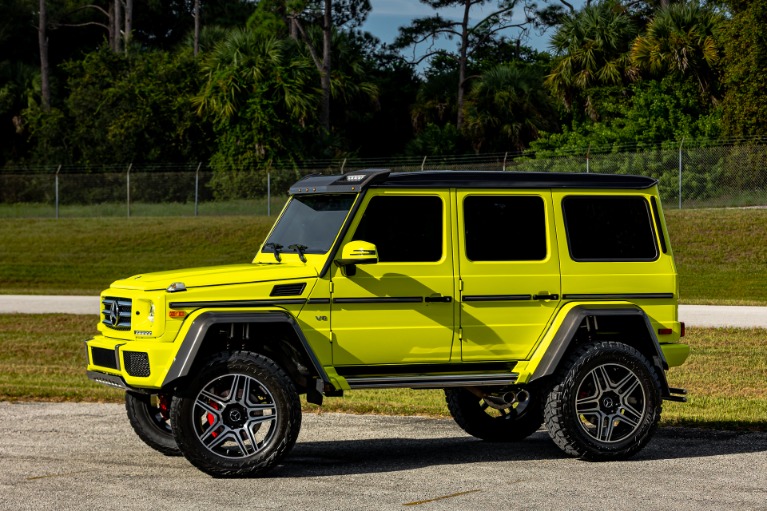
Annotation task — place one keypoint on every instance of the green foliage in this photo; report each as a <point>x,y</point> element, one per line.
<point>653,113</point>
<point>745,80</point>
<point>121,109</point>
<point>260,96</point>
<point>592,51</point>
<point>507,108</point>
<point>681,39</point>
<point>435,140</point>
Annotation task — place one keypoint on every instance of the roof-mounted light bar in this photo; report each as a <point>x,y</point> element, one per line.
<point>352,182</point>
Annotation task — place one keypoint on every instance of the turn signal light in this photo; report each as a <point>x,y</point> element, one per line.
<point>176,314</point>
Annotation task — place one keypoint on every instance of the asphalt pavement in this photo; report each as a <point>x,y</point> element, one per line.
<point>72,456</point>
<point>692,315</point>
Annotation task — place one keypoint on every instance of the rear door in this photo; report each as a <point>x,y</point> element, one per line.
<point>509,272</point>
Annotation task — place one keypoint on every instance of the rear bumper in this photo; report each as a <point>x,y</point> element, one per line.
<point>675,353</point>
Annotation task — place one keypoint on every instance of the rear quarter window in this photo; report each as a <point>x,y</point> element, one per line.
<point>614,228</point>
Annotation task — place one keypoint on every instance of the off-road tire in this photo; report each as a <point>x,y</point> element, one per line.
<point>607,403</point>
<point>238,417</point>
<point>475,417</point>
<point>150,423</point>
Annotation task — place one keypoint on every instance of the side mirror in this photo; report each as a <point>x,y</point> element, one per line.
<point>358,252</point>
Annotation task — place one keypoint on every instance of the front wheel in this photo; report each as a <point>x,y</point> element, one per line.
<point>149,417</point>
<point>607,404</point>
<point>239,417</point>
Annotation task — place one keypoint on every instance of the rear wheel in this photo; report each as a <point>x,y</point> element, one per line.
<point>504,416</point>
<point>607,405</point>
<point>150,419</point>
<point>239,416</point>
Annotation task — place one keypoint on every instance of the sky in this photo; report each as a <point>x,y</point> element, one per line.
<point>387,16</point>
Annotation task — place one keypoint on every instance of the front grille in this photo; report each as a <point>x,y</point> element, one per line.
<point>104,358</point>
<point>136,363</point>
<point>117,312</point>
<point>288,289</point>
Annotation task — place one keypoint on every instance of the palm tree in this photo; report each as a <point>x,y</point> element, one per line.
<point>508,108</point>
<point>247,63</point>
<point>680,39</point>
<point>592,47</point>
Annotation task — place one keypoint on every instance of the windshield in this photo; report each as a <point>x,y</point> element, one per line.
<point>310,221</point>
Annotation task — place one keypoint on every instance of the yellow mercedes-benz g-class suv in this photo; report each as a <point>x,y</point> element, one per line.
<point>530,298</point>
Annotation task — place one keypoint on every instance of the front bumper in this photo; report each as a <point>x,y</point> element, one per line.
<point>128,364</point>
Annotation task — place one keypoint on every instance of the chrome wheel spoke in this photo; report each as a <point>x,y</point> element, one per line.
<point>601,380</point>
<point>605,428</point>
<point>587,405</point>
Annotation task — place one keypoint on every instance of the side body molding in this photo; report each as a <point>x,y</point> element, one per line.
<point>190,346</point>
<point>565,336</point>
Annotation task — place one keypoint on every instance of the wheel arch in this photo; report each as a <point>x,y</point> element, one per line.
<point>288,346</point>
<point>584,323</point>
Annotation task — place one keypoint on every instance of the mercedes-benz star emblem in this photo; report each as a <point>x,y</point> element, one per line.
<point>114,314</point>
<point>608,402</point>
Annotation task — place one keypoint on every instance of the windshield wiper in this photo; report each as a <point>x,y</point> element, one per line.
<point>276,247</point>
<point>300,250</point>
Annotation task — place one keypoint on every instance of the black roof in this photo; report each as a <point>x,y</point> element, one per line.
<point>377,178</point>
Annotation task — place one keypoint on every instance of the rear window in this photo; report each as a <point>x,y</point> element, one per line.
<point>613,228</point>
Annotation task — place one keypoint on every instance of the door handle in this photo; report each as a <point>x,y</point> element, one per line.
<point>438,299</point>
<point>545,296</point>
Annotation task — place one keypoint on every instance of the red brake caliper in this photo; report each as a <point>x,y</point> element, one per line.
<point>212,419</point>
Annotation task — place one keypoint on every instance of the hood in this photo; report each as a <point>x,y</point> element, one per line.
<point>216,276</point>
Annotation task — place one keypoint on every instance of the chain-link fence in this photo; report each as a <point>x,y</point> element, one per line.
<point>714,176</point>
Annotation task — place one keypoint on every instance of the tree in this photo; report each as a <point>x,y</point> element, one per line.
<point>592,49</point>
<point>259,96</point>
<point>470,36</point>
<point>123,108</point>
<point>680,39</point>
<point>42,39</point>
<point>744,78</point>
<point>507,108</point>
<point>299,17</point>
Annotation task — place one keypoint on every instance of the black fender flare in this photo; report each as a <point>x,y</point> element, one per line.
<point>185,356</point>
<point>575,318</point>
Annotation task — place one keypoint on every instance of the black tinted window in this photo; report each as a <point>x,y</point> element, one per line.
<point>403,228</point>
<point>504,228</point>
<point>609,229</point>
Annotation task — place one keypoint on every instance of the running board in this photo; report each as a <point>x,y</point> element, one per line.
<point>431,381</point>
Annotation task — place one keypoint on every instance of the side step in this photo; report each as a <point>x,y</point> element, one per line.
<point>430,381</point>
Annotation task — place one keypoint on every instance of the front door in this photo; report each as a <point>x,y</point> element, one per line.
<point>509,272</point>
<point>401,309</point>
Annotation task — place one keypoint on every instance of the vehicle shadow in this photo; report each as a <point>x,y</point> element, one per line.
<point>345,457</point>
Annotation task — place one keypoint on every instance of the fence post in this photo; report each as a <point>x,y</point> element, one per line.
<point>269,193</point>
<point>423,163</point>
<point>343,165</point>
<point>680,172</point>
<point>197,189</point>
<point>588,155</point>
<point>57,191</point>
<point>128,188</point>
<point>504,160</point>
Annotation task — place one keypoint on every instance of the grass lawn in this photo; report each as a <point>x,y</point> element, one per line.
<point>42,358</point>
